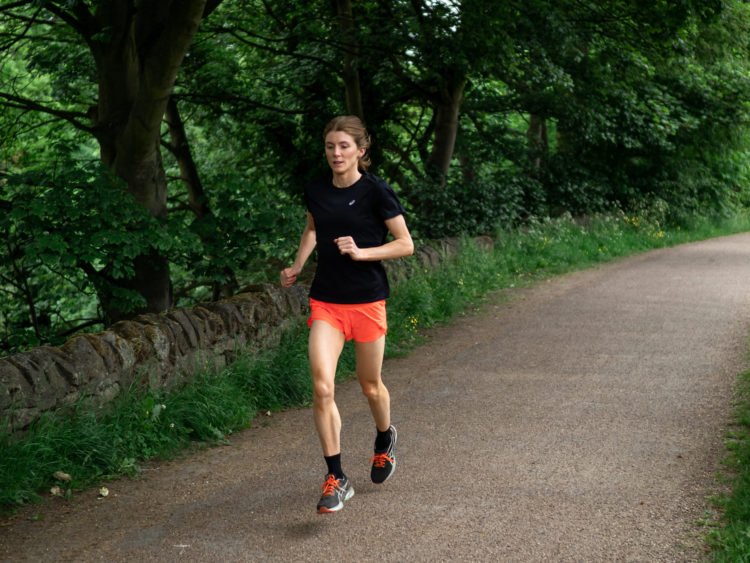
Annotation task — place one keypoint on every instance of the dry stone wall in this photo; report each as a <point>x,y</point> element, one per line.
<point>159,349</point>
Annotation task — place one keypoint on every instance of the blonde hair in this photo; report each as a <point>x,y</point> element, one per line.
<point>353,126</point>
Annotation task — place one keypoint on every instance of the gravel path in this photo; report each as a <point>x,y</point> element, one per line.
<point>580,421</point>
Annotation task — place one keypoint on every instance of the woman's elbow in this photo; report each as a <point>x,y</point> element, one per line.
<point>408,247</point>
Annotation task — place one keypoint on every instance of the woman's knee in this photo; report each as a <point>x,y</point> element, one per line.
<point>373,390</point>
<point>323,391</point>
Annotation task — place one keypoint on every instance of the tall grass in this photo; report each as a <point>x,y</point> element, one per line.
<point>96,444</point>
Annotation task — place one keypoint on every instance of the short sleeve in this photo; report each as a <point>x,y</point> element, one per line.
<point>390,206</point>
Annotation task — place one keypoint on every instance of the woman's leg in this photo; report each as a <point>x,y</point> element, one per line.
<point>369,366</point>
<point>324,348</point>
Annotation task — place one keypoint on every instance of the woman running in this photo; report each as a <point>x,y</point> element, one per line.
<point>349,215</point>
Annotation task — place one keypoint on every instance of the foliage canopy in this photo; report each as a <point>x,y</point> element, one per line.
<point>152,153</point>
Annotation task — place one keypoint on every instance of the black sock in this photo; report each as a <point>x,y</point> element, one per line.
<point>383,441</point>
<point>334,466</point>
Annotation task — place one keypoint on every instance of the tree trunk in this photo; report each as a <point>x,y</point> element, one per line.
<point>538,143</point>
<point>351,52</point>
<point>447,106</point>
<point>137,65</point>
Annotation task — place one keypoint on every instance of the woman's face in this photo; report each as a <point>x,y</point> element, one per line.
<point>342,153</point>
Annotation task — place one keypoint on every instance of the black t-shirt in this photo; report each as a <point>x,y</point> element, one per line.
<point>359,211</point>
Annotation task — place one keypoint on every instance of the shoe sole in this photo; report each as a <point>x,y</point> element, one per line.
<point>339,506</point>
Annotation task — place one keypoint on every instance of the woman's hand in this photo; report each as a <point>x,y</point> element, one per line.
<point>348,246</point>
<point>289,276</point>
<point>401,245</point>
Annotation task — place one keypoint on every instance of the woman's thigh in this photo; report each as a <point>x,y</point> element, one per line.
<point>370,361</point>
<point>324,348</point>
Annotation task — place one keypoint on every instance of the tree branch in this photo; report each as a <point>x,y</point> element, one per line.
<point>80,20</point>
<point>26,104</point>
<point>211,5</point>
<point>13,5</point>
<point>15,38</point>
<point>217,99</point>
<point>234,33</point>
<point>404,159</point>
<point>398,71</point>
<point>270,12</point>
<point>77,328</point>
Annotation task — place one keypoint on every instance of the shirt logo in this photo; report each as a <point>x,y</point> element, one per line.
<point>352,202</point>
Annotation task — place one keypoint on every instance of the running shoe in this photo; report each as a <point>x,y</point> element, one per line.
<point>384,463</point>
<point>335,492</point>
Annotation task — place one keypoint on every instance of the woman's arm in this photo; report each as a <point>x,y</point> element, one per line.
<point>306,245</point>
<point>401,245</point>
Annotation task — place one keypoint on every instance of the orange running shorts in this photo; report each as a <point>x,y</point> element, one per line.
<point>362,322</point>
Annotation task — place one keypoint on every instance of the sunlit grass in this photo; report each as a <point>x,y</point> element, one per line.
<point>93,445</point>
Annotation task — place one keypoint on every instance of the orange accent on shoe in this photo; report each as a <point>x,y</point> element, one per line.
<point>329,487</point>
<point>380,459</point>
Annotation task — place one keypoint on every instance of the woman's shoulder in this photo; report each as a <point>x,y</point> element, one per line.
<point>376,181</point>
<point>386,195</point>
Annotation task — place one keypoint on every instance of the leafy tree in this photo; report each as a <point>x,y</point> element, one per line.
<point>123,58</point>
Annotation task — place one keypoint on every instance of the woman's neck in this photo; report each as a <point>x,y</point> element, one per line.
<point>346,180</point>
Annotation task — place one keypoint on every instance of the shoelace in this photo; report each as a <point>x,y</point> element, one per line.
<point>330,486</point>
<point>380,459</point>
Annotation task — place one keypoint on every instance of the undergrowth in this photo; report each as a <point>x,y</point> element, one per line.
<point>92,445</point>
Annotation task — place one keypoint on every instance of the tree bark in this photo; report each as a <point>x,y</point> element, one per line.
<point>447,106</point>
<point>351,52</point>
<point>538,143</point>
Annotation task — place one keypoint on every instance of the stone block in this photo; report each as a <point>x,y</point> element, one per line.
<point>227,313</point>
<point>247,306</point>
<point>178,343</point>
<point>45,383</point>
<point>185,324</point>
<point>116,352</point>
<point>135,334</point>
<point>15,390</point>
<point>210,325</point>
<point>159,338</point>
<point>428,256</point>
<point>86,363</point>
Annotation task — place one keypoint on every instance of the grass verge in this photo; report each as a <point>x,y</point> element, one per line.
<point>730,539</point>
<point>79,451</point>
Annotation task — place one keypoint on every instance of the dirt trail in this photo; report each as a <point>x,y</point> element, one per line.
<point>581,421</point>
